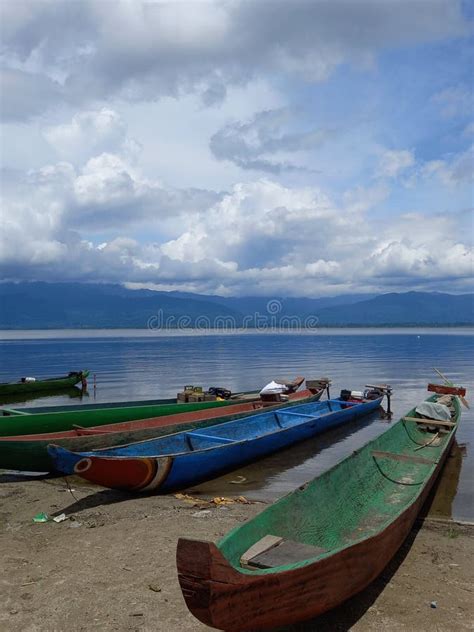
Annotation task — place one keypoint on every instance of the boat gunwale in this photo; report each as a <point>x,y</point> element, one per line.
<point>98,430</point>
<point>227,575</point>
<point>284,568</point>
<point>93,453</point>
<point>78,408</point>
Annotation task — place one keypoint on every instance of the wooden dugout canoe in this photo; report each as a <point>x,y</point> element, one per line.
<point>187,458</point>
<point>47,384</point>
<point>243,396</point>
<point>16,422</point>
<point>86,417</point>
<point>29,452</point>
<point>6,411</point>
<point>331,537</point>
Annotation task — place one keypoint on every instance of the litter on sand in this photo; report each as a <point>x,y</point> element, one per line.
<point>41,517</point>
<point>223,500</point>
<point>239,480</point>
<point>201,514</point>
<point>217,500</point>
<point>60,518</point>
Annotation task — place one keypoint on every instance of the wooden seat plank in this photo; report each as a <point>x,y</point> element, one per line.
<point>286,552</point>
<point>265,544</point>
<point>211,437</point>
<point>430,422</point>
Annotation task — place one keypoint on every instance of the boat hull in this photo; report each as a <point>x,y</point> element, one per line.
<point>29,452</point>
<point>230,598</point>
<point>43,385</point>
<point>164,473</point>
<point>56,422</point>
<point>217,600</point>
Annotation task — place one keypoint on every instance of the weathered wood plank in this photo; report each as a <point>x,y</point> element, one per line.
<point>286,552</point>
<point>445,389</point>
<point>265,544</point>
<point>430,422</point>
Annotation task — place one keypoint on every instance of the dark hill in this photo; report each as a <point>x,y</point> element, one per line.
<point>410,308</point>
<point>82,305</point>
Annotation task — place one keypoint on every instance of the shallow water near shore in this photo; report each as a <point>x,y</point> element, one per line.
<point>139,365</point>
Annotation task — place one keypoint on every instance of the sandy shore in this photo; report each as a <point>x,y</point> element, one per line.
<point>111,565</point>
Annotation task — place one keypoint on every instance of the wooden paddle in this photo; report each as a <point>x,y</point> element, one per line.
<point>443,377</point>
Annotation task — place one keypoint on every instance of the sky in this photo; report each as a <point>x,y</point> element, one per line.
<point>304,148</point>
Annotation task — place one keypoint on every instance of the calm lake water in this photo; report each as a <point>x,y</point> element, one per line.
<point>144,365</point>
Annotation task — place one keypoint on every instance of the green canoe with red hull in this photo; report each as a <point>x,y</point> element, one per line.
<point>17,422</point>
<point>32,385</point>
<point>323,543</point>
<point>66,420</point>
<point>29,452</point>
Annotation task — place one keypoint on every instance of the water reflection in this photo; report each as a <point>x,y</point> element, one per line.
<point>130,368</point>
<point>65,394</point>
<point>447,487</point>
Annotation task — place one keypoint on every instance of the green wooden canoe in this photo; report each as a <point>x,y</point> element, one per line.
<point>29,453</point>
<point>324,542</point>
<point>31,385</point>
<point>84,416</point>
<point>65,408</point>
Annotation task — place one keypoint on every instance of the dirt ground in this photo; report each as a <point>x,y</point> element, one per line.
<point>111,565</point>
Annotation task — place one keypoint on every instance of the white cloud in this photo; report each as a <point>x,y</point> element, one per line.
<point>269,142</point>
<point>24,94</point>
<point>250,224</point>
<point>362,199</point>
<point>149,127</point>
<point>260,238</point>
<point>394,162</point>
<point>91,132</point>
<point>452,171</point>
<point>106,179</point>
<point>421,248</point>
<point>144,51</point>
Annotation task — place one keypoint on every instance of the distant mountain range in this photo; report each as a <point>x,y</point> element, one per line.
<point>81,305</point>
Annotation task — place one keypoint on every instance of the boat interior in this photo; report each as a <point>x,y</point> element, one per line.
<point>352,501</point>
<point>230,432</point>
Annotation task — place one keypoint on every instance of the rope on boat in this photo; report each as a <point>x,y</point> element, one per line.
<point>392,479</point>
<point>420,447</point>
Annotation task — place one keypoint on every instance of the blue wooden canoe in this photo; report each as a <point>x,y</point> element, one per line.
<point>186,458</point>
